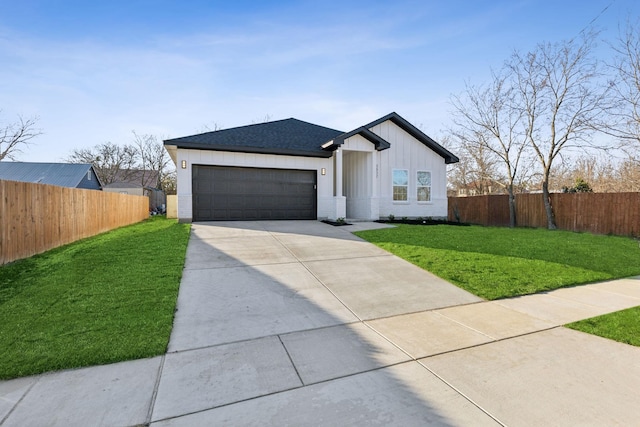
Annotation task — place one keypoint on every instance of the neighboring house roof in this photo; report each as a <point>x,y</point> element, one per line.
<point>122,185</point>
<point>61,174</point>
<point>297,138</point>
<point>290,136</point>
<point>129,185</point>
<point>134,178</point>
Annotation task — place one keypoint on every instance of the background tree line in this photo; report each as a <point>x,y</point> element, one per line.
<point>144,161</point>
<point>552,118</point>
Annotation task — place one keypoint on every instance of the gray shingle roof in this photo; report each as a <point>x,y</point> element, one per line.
<point>61,174</point>
<point>297,138</point>
<point>289,136</point>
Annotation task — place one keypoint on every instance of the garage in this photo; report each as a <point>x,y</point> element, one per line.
<point>241,193</point>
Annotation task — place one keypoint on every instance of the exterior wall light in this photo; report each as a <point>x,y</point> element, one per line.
<point>183,164</point>
<point>323,171</point>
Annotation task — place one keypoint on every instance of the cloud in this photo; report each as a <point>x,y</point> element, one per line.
<point>338,64</point>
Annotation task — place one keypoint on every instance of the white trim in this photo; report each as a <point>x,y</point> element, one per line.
<point>430,186</point>
<point>393,184</point>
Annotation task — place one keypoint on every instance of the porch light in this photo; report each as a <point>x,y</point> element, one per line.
<point>183,164</point>
<point>323,171</point>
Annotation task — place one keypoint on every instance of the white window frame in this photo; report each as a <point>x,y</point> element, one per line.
<point>394,185</point>
<point>419,186</point>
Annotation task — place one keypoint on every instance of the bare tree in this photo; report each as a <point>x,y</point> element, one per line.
<point>628,174</point>
<point>625,125</point>
<point>557,93</point>
<point>14,136</point>
<point>153,159</point>
<point>112,162</point>
<point>212,127</point>
<point>603,173</point>
<point>476,169</point>
<point>145,162</point>
<point>488,119</point>
<point>169,182</point>
<point>265,119</point>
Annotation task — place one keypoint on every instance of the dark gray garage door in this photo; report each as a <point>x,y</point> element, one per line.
<point>233,193</point>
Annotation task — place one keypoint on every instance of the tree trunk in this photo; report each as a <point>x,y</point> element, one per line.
<point>512,207</point>
<point>551,218</point>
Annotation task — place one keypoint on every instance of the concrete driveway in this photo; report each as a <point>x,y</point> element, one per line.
<point>301,323</point>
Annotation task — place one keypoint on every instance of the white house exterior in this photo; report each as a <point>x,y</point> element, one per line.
<point>387,167</point>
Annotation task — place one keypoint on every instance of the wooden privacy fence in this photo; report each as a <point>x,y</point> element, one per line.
<point>600,213</point>
<point>37,217</point>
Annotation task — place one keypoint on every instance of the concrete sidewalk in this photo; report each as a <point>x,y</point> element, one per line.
<point>301,323</point>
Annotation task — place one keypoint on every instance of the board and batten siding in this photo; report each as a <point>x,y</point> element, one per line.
<point>359,182</point>
<point>408,153</point>
<point>225,158</point>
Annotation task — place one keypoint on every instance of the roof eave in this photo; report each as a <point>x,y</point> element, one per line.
<point>379,142</point>
<point>417,134</point>
<point>172,149</point>
<point>254,150</point>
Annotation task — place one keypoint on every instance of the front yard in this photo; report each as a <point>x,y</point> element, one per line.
<point>100,300</point>
<point>112,297</point>
<point>498,263</point>
<point>495,263</point>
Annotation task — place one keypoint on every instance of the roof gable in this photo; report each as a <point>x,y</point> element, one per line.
<point>417,134</point>
<point>289,136</point>
<point>61,174</point>
<point>381,144</point>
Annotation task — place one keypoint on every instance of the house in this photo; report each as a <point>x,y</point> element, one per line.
<point>140,183</point>
<point>73,175</point>
<point>291,169</point>
<point>157,198</point>
<point>481,187</point>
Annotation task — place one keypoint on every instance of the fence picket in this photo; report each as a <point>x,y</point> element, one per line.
<point>37,217</point>
<point>599,213</point>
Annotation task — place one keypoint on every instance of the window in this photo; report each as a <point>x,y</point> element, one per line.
<point>89,175</point>
<point>400,184</point>
<point>424,186</point>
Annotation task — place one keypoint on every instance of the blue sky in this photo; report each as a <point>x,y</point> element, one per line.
<point>95,71</point>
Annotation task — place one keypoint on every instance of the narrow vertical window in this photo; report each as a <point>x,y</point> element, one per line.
<point>89,175</point>
<point>423,186</point>
<point>400,184</point>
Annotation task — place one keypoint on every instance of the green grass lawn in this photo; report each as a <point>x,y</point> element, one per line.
<point>494,262</point>
<point>623,326</point>
<point>100,300</point>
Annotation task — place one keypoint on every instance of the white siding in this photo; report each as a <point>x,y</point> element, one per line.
<point>358,143</point>
<point>408,153</point>
<point>366,176</point>
<point>224,158</point>
<point>357,183</point>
